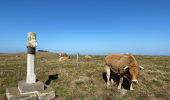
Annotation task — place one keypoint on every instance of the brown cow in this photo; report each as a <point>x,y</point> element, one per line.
<point>125,65</point>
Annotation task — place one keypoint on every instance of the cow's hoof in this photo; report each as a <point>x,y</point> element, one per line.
<point>131,89</point>
<point>112,81</point>
<point>108,84</point>
<point>119,87</point>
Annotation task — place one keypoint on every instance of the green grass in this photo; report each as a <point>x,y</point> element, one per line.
<point>85,82</point>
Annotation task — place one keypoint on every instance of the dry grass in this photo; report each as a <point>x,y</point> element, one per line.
<point>85,82</point>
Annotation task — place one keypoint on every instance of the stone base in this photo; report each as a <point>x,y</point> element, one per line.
<point>15,94</point>
<point>30,87</point>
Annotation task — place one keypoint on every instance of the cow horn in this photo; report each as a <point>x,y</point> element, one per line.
<point>141,67</point>
<point>126,67</point>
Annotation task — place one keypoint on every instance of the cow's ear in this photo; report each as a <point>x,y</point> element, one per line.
<point>141,68</point>
<point>126,67</point>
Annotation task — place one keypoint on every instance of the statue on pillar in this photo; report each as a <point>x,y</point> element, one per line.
<point>31,51</point>
<point>30,89</point>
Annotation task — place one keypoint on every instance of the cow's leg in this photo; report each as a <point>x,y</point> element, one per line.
<point>120,83</point>
<point>131,87</point>
<point>108,74</point>
<point>111,76</point>
<point>112,81</point>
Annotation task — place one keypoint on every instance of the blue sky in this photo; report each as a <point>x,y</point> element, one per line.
<point>87,26</point>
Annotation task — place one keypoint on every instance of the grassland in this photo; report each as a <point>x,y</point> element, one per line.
<point>86,81</point>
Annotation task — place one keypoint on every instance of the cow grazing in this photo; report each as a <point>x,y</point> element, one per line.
<point>125,65</point>
<point>63,57</point>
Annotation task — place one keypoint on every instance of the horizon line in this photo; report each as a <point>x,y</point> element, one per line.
<point>145,54</point>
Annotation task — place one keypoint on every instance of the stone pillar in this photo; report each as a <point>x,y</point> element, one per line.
<point>31,53</point>
<point>30,85</point>
<point>77,59</point>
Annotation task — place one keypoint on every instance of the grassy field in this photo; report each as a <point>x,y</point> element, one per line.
<point>86,82</point>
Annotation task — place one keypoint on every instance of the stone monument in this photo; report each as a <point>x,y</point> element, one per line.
<point>29,88</point>
<point>31,51</point>
<point>30,85</point>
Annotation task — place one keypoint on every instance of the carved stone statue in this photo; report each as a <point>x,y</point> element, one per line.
<point>31,52</point>
<point>31,42</point>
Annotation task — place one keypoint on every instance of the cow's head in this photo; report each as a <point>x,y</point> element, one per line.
<point>134,71</point>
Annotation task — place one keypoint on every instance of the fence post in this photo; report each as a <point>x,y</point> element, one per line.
<point>77,59</point>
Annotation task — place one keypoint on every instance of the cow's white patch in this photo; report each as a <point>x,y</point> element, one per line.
<point>136,81</point>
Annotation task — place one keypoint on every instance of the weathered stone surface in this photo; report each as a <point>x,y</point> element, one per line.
<point>14,94</point>
<point>31,41</point>
<point>33,87</point>
<point>31,77</point>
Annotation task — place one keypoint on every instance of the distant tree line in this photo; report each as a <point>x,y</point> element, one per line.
<point>43,51</point>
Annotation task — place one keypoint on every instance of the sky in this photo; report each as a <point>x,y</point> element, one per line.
<point>87,26</point>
